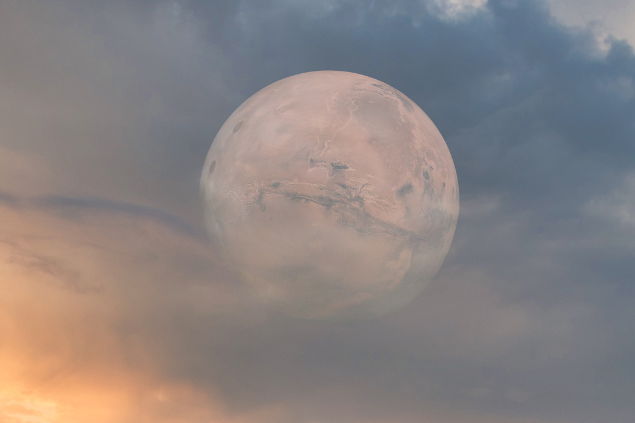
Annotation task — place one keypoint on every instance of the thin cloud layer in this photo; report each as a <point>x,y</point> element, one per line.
<point>113,307</point>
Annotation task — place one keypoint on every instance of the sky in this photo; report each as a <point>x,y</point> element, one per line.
<point>115,308</point>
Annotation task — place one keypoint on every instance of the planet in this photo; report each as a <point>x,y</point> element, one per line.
<point>332,195</point>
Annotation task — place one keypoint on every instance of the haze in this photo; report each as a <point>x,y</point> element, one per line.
<point>114,308</point>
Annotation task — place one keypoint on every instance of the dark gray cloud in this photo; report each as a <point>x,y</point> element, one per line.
<point>539,123</point>
<point>100,204</point>
<point>530,319</point>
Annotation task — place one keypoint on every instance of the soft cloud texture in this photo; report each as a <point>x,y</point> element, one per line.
<point>113,307</point>
<point>609,18</point>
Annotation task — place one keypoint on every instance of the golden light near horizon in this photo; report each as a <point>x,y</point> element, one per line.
<point>25,407</point>
<point>331,204</point>
<point>63,357</point>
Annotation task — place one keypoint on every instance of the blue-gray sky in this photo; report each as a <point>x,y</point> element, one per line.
<point>114,308</point>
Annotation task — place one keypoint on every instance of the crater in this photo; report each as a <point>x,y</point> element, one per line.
<point>426,174</point>
<point>238,126</point>
<point>211,167</point>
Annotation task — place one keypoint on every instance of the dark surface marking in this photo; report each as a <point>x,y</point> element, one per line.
<point>426,174</point>
<point>384,88</point>
<point>275,185</point>
<point>261,204</point>
<point>212,167</point>
<point>339,166</point>
<point>404,190</point>
<point>404,101</point>
<point>315,163</point>
<point>358,199</point>
<point>351,212</point>
<point>325,201</point>
<point>238,126</point>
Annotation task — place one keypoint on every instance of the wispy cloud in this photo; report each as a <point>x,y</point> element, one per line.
<point>115,308</point>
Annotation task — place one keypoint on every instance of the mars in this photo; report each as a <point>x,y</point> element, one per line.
<point>332,195</point>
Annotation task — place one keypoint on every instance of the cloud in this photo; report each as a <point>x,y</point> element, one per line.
<point>454,9</point>
<point>106,92</point>
<point>89,307</point>
<point>611,18</point>
<point>617,205</point>
<point>113,306</point>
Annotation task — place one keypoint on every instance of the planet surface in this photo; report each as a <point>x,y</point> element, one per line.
<point>332,195</point>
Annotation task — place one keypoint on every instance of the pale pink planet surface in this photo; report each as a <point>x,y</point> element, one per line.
<point>332,195</point>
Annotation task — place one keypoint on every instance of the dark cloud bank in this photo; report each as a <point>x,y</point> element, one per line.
<point>531,317</point>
